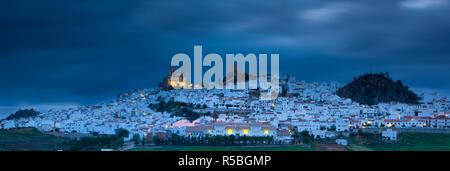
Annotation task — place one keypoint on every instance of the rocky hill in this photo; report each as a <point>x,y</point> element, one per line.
<point>372,89</point>
<point>23,114</point>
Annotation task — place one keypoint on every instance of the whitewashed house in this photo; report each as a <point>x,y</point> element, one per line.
<point>389,134</point>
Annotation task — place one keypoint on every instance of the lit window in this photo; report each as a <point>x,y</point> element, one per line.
<point>266,131</point>
<point>230,131</point>
<point>245,131</point>
<point>209,131</point>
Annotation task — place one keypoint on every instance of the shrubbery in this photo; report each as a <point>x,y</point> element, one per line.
<point>100,142</point>
<point>23,114</point>
<point>372,89</point>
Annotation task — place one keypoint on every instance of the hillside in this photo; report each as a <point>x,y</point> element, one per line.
<point>371,89</point>
<point>30,139</point>
<point>23,114</point>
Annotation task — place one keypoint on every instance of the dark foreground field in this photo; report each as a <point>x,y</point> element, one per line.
<point>408,141</point>
<point>226,148</point>
<point>30,139</point>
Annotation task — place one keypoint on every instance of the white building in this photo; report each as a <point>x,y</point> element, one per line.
<point>389,134</point>
<point>341,142</point>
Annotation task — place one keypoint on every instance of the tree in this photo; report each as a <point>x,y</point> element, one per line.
<point>360,132</point>
<point>157,140</point>
<point>121,133</point>
<point>232,138</point>
<point>136,138</point>
<point>296,136</point>
<point>97,143</point>
<point>306,138</point>
<point>304,133</point>
<point>283,91</point>
<point>205,106</point>
<point>161,106</point>
<point>244,139</point>
<point>332,128</point>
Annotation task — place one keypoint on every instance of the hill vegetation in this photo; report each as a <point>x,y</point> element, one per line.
<point>178,109</point>
<point>99,142</point>
<point>30,139</point>
<point>371,89</point>
<point>23,114</point>
<point>407,141</point>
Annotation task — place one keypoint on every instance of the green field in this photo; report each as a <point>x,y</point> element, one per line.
<point>226,148</point>
<point>408,142</point>
<point>32,139</point>
<point>29,139</point>
<point>354,147</point>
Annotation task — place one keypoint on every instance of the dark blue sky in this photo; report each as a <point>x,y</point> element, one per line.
<point>55,53</point>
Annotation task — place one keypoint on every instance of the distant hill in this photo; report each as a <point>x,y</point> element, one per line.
<point>371,89</point>
<point>22,114</point>
<point>230,78</point>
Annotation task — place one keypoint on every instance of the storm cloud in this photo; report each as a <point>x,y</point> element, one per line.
<point>84,52</point>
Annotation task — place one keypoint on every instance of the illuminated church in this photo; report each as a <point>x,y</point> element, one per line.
<point>169,84</point>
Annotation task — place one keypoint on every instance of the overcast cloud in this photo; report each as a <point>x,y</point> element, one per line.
<point>84,52</point>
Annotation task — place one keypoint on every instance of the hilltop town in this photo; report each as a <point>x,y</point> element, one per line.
<point>312,107</point>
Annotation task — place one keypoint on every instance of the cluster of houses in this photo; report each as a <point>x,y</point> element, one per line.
<point>311,107</point>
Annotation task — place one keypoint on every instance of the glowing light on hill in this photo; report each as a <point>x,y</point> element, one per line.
<point>179,84</point>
